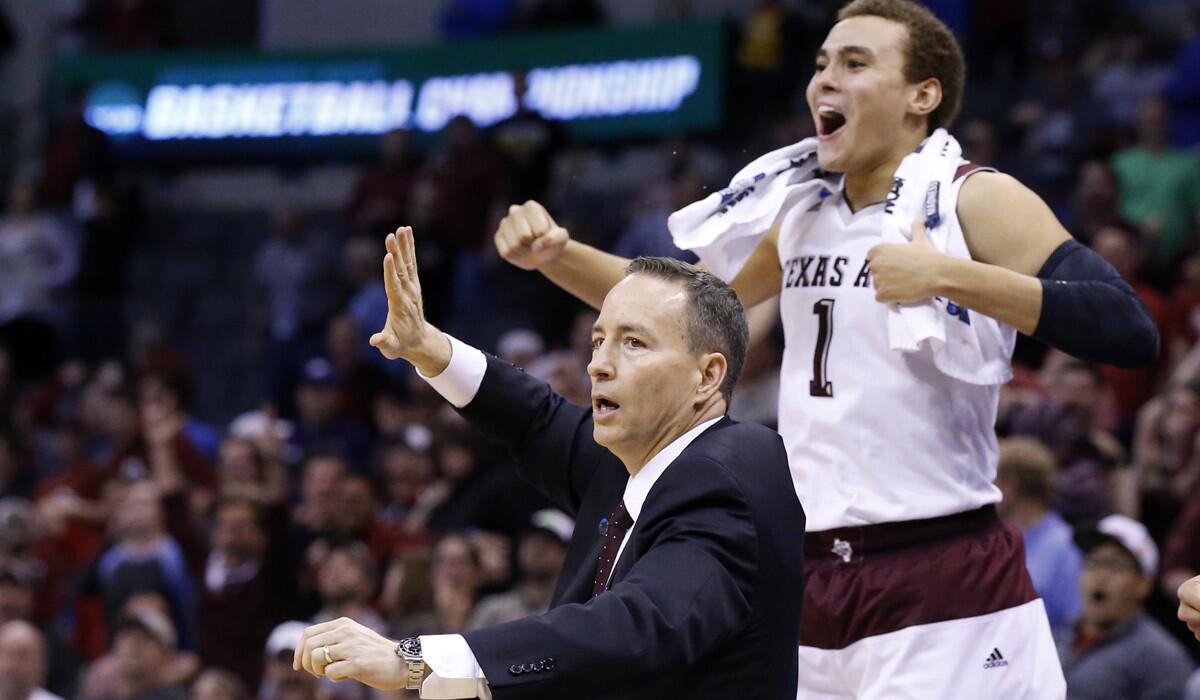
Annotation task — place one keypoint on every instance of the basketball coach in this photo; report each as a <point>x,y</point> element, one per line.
<point>684,576</point>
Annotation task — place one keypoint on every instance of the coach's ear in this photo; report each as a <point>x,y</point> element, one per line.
<point>713,368</point>
<point>925,96</point>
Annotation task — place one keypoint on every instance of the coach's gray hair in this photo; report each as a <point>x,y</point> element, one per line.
<point>716,321</point>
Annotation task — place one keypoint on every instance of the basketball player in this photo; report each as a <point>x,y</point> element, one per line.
<point>915,588</point>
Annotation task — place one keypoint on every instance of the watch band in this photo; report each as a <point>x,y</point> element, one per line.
<point>409,652</point>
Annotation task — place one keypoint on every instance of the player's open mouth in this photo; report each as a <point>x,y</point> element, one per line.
<point>1099,596</point>
<point>829,121</point>
<point>602,406</point>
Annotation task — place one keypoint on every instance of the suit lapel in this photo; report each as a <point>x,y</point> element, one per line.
<point>634,548</point>
<point>579,568</point>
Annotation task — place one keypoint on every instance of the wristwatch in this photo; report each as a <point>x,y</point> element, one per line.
<point>409,652</point>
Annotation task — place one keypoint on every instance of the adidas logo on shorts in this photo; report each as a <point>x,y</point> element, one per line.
<point>995,660</point>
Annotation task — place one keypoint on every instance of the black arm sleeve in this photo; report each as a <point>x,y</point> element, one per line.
<point>1089,312</point>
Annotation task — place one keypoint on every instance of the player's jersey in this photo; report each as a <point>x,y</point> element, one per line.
<point>873,435</point>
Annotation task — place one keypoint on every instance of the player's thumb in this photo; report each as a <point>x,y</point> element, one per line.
<point>919,234</point>
<point>553,239</point>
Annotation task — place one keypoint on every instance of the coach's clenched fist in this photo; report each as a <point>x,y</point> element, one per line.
<point>528,237</point>
<point>1189,604</point>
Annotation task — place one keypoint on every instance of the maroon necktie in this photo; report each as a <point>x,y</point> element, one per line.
<point>614,529</point>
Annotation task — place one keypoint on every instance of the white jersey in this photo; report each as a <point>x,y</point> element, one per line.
<point>873,435</point>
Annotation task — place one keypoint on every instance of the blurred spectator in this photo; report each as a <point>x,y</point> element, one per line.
<point>406,471</point>
<point>246,586</point>
<point>1160,187</point>
<point>170,388</point>
<point>469,179</point>
<point>540,555</point>
<point>352,360</point>
<point>346,582</point>
<point>347,586</point>
<point>321,425</point>
<point>280,682</point>
<point>528,142</point>
<point>143,557</point>
<point>1090,483</point>
<point>1123,76</point>
<point>1056,121</point>
<point>23,659</point>
<point>1182,89</point>
<point>562,14</point>
<point>1025,476</point>
<point>297,275</point>
<point>381,198</point>
<point>1095,202</point>
<point>252,473</point>
<point>368,299</point>
<point>219,684</point>
<point>143,649</point>
<point>358,517</point>
<point>315,516</point>
<point>1116,649</point>
<point>1122,248</point>
<point>1181,556</point>
<point>1166,455</point>
<point>466,19</point>
<point>454,586</point>
<point>36,260</point>
<point>18,582</point>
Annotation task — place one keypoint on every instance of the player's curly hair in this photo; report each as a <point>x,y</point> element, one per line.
<point>932,51</point>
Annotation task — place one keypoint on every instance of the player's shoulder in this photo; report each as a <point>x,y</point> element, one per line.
<point>991,191</point>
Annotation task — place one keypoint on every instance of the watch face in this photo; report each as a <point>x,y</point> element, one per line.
<point>411,646</point>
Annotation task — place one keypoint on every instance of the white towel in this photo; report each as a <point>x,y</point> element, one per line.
<point>725,227</point>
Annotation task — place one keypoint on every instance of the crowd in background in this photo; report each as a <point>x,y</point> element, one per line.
<point>151,550</point>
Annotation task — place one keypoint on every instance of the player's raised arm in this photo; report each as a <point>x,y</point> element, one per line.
<point>406,334</point>
<point>530,239</point>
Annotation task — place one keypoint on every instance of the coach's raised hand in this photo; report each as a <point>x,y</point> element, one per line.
<point>406,334</point>
<point>529,238</point>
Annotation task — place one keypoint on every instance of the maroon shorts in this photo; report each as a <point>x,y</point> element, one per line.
<point>871,580</point>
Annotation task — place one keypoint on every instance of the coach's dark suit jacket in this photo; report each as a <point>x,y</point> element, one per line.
<point>704,601</point>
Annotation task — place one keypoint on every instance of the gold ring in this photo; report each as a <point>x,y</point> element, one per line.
<point>328,658</point>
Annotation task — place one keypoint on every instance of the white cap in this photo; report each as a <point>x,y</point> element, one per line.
<point>555,522</point>
<point>1134,537</point>
<point>285,637</point>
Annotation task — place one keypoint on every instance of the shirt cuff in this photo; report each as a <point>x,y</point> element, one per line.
<point>456,673</point>
<point>460,381</point>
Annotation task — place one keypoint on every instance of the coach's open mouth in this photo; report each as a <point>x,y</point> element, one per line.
<point>602,406</point>
<point>829,121</point>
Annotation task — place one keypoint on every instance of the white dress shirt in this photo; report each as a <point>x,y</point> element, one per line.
<point>455,670</point>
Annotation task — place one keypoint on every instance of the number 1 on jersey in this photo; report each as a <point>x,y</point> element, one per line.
<point>820,384</point>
